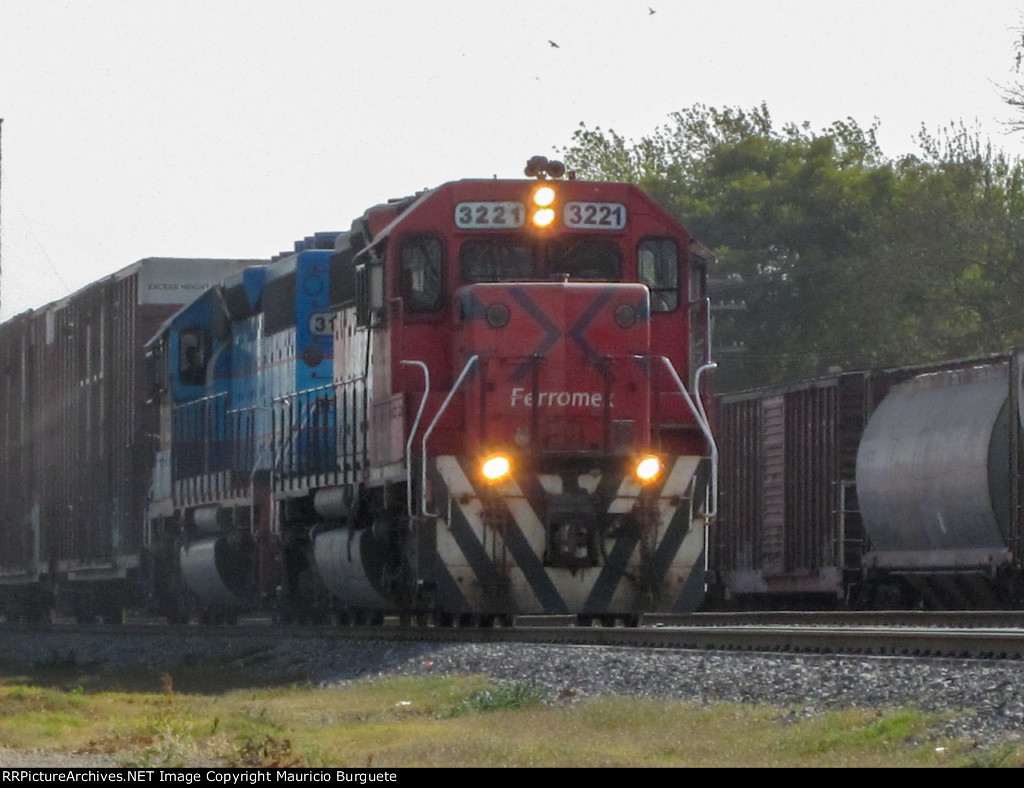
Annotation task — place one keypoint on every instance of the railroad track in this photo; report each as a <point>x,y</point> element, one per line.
<point>985,635</point>
<point>976,640</point>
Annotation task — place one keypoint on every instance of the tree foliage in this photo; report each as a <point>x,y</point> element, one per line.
<point>842,257</point>
<point>1013,94</point>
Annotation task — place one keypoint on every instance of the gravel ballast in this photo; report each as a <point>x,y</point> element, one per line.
<point>986,697</point>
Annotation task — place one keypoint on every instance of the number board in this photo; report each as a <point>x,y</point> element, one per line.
<point>489,215</point>
<point>595,215</point>
<point>321,324</point>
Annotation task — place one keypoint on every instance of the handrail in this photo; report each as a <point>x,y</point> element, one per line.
<point>696,387</point>
<point>199,400</point>
<point>412,433</point>
<point>430,429</point>
<point>705,427</point>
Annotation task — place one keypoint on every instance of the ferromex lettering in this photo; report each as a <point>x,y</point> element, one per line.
<point>559,399</point>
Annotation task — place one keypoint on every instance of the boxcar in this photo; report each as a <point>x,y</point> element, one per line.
<point>77,427</point>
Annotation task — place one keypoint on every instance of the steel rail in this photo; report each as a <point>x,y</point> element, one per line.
<point>933,641</point>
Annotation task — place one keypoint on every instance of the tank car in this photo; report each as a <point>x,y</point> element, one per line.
<point>487,399</point>
<point>889,488</point>
<point>77,428</point>
<point>939,483</point>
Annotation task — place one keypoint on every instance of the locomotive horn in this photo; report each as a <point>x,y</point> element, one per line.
<point>535,167</point>
<point>539,167</point>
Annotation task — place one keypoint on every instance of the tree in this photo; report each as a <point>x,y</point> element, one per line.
<point>961,241</point>
<point>784,211</point>
<point>843,258</point>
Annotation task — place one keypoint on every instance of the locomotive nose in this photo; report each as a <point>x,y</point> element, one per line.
<point>562,366</point>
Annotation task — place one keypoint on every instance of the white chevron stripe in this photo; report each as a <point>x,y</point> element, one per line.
<point>574,587</point>
<point>681,475</point>
<point>551,483</point>
<point>471,509</point>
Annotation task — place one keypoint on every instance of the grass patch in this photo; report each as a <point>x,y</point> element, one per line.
<point>464,721</point>
<point>503,698</point>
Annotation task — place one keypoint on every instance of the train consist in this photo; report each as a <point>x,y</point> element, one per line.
<point>890,488</point>
<point>487,399</point>
<point>490,398</point>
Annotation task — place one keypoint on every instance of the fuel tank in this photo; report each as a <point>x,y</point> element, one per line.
<point>216,571</point>
<point>933,471</point>
<point>350,564</point>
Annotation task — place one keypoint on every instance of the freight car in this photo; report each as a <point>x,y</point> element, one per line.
<point>889,488</point>
<point>77,427</point>
<point>482,400</point>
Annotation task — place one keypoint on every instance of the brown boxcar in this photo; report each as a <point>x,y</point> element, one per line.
<point>787,530</point>
<point>22,400</point>
<point>76,437</point>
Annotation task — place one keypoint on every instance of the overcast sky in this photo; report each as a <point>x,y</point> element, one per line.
<point>231,128</point>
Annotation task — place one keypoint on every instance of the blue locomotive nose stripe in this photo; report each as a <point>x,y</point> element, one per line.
<point>577,329</point>
<point>671,543</point>
<point>615,569</point>
<point>447,594</point>
<point>487,572</point>
<point>691,596</point>
<point>551,332</point>
<point>529,563</point>
<point>469,545</point>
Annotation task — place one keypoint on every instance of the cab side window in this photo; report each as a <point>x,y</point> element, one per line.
<point>422,282</point>
<point>658,268</point>
<point>193,355</point>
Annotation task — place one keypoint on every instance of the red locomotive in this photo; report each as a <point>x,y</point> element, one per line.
<point>510,417</point>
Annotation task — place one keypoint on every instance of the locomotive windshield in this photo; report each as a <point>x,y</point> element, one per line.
<point>494,260</point>
<point>511,259</point>
<point>585,259</point>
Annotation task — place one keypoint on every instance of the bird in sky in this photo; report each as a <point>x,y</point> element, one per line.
<point>554,44</point>
<point>650,11</point>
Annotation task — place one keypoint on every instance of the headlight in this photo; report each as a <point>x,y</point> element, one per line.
<point>543,217</point>
<point>544,206</point>
<point>647,468</point>
<point>496,467</point>
<point>544,197</point>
